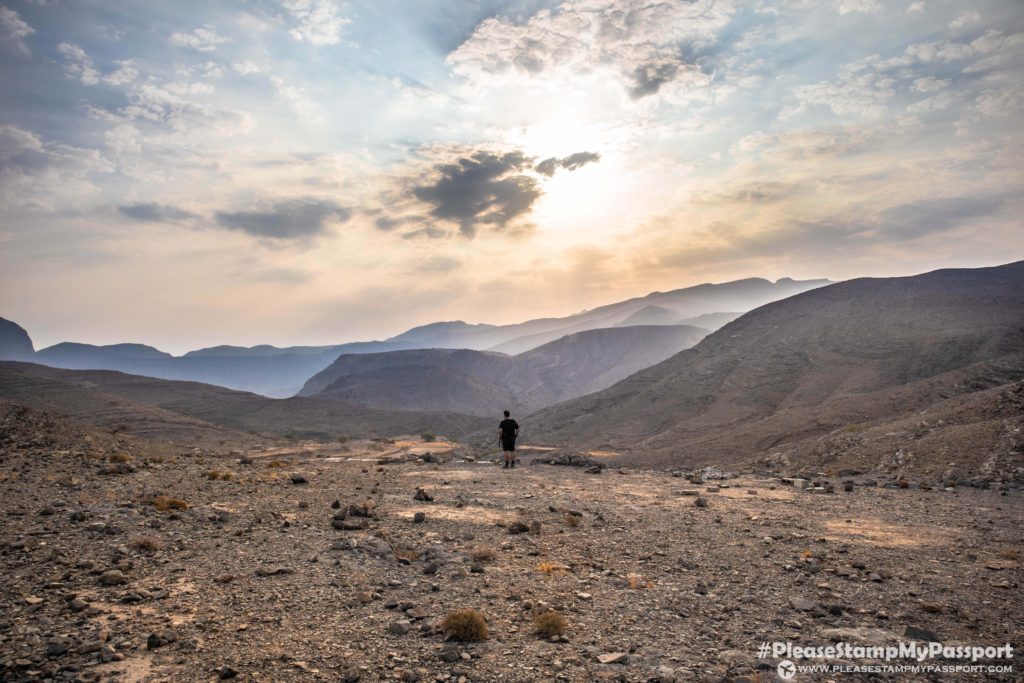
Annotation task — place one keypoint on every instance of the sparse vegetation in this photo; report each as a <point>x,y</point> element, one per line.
<point>407,554</point>
<point>342,438</point>
<point>637,581</point>
<point>429,437</point>
<point>550,568</point>
<point>277,464</point>
<point>572,520</point>
<point>147,544</point>
<point>549,624</point>
<point>120,457</point>
<point>165,503</point>
<point>466,625</point>
<point>483,554</point>
<point>215,475</point>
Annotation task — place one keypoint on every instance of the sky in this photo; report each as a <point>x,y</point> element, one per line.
<point>188,173</point>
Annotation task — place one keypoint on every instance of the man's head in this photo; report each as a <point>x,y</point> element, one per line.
<point>507,414</point>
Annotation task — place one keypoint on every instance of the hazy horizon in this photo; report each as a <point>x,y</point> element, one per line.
<point>307,172</point>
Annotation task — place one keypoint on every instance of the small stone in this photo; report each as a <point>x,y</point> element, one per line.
<point>400,627</point>
<point>419,518</point>
<point>226,672</point>
<point>802,604</point>
<point>517,528</point>
<point>613,658</point>
<point>113,577</point>
<point>700,502</point>
<point>299,479</point>
<point>273,570</point>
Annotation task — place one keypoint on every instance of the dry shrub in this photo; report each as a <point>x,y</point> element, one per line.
<point>572,520</point>
<point>119,457</point>
<point>215,475</point>
<point>549,624</point>
<point>147,544</point>
<point>636,581</point>
<point>277,464</point>
<point>466,625</point>
<point>155,459</point>
<point>168,503</point>
<point>483,554</point>
<point>1011,554</point>
<point>407,554</point>
<point>550,568</point>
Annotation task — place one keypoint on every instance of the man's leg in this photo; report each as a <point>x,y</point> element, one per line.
<point>506,465</point>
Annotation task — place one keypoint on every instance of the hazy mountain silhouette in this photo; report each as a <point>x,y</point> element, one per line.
<point>850,353</point>
<point>484,383</point>
<point>15,344</point>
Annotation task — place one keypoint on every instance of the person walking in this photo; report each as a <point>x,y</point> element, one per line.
<point>508,430</point>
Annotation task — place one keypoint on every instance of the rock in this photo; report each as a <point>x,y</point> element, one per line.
<point>419,518</point>
<point>450,655</point>
<point>299,479</point>
<point>336,505</point>
<point>274,570</point>
<point>113,577</point>
<point>400,627</point>
<point>700,501</point>
<point>613,658</point>
<point>713,489</point>
<point>802,604</point>
<point>226,672</point>
<point>160,639</point>
<point>535,527</point>
<point>921,634</point>
<point>350,524</point>
<point>800,483</point>
<point>518,528</point>
<point>422,495</point>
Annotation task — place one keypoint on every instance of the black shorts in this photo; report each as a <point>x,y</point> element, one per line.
<point>508,443</point>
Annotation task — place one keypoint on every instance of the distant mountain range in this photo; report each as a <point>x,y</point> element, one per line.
<point>833,362</point>
<point>281,372</point>
<point>485,382</point>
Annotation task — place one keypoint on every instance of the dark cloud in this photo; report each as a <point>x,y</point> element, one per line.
<point>936,215</point>
<point>154,213</point>
<point>285,220</point>
<point>571,162</point>
<point>648,78</point>
<point>484,189</point>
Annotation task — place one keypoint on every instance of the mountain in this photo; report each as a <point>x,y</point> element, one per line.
<point>711,321</point>
<point>15,344</point>
<point>740,295</point>
<point>845,356</point>
<point>163,409</point>
<point>650,315</point>
<point>267,370</point>
<point>485,383</point>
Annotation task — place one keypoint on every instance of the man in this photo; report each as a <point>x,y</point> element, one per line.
<point>508,430</point>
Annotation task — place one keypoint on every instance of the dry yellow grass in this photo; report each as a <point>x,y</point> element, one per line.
<point>168,503</point>
<point>221,475</point>
<point>550,568</point>
<point>119,457</point>
<point>466,625</point>
<point>548,624</point>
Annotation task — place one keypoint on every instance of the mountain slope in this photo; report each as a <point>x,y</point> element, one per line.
<point>170,409</point>
<point>849,353</point>
<point>15,344</point>
<point>739,295</point>
<point>484,383</point>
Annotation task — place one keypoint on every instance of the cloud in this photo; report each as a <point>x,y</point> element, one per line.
<point>965,19</point>
<point>154,213</point>
<point>643,40</point>
<point>571,162</point>
<point>291,219</point>
<point>202,39</point>
<point>915,7</point>
<point>77,64</point>
<point>14,31</point>
<point>483,189</point>
<point>319,22</point>
<point>859,6</point>
<point>41,173</point>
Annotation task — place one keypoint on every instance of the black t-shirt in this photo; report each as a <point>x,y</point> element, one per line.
<point>508,428</point>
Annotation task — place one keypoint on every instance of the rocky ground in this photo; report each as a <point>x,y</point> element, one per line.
<point>338,562</point>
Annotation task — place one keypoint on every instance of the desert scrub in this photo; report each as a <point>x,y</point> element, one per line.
<point>483,554</point>
<point>214,475</point>
<point>549,624</point>
<point>119,457</point>
<point>147,544</point>
<point>550,568</point>
<point>429,437</point>
<point>466,625</point>
<point>169,503</point>
<point>572,520</point>
<point>277,464</point>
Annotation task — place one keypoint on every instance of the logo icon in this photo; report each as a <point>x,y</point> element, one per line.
<point>786,669</point>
